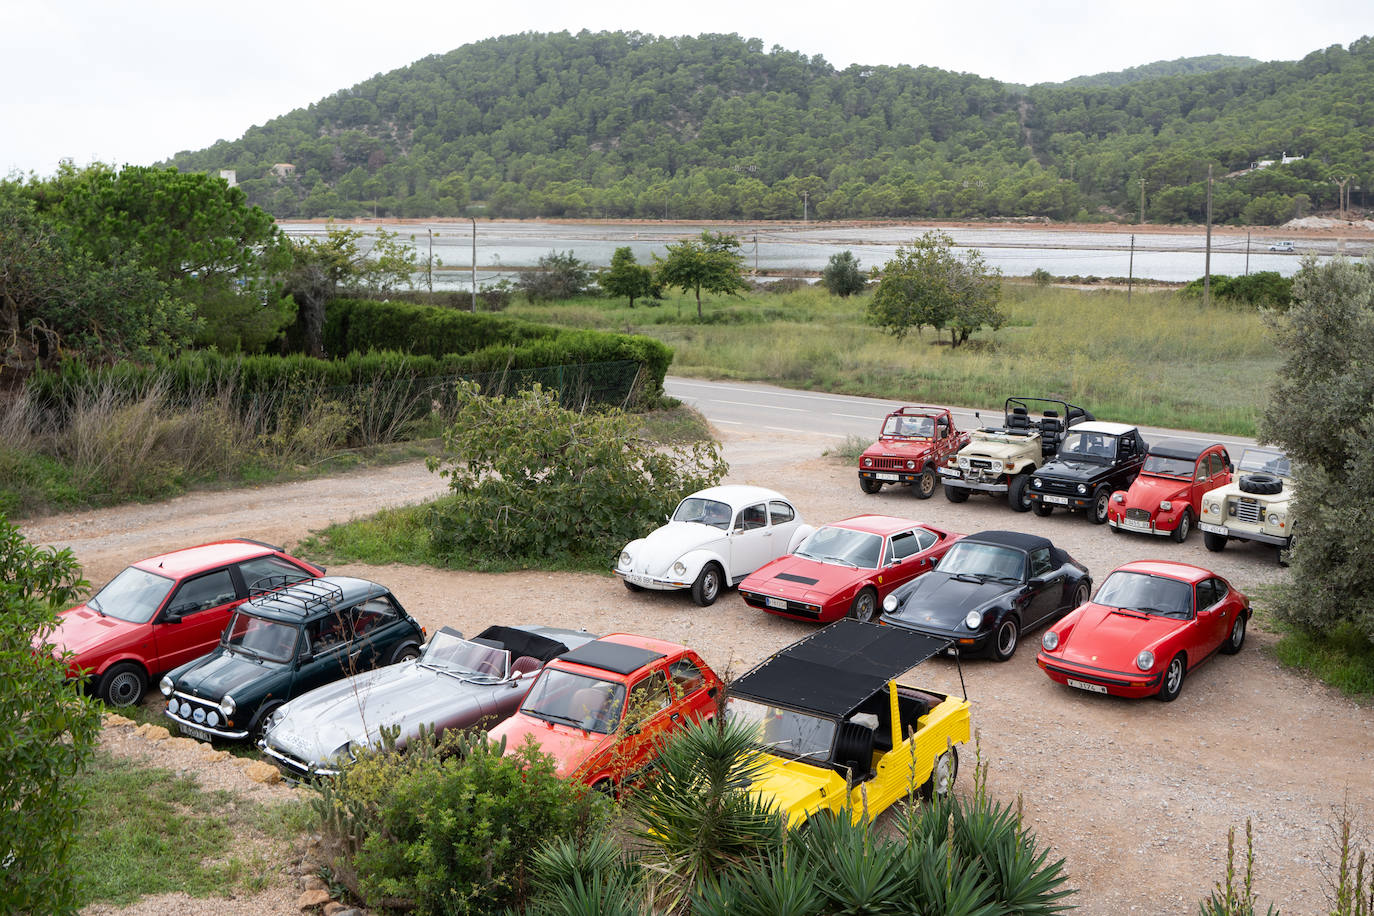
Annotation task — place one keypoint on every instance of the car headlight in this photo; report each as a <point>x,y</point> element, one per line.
<point>625,559</point>
<point>996,467</point>
<point>868,462</point>
<point>1211,509</point>
<point>1118,498</point>
<point>227,706</point>
<point>166,686</point>
<point>1165,505</point>
<point>212,719</point>
<point>1145,660</point>
<point>1082,489</point>
<point>974,620</point>
<point>1275,518</point>
<point>1035,482</point>
<point>963,462</point>
<point>679,568</point>
<point>910,464</point>
<point>890,603</point>
<point>1050,640</point>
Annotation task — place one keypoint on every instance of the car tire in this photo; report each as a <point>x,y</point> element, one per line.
<point>1185,527</point>
<point>869,485</point>
<point>1260,484</point>
<point>942,775</point>
<point>404,653</point>
<point>123,685</point>
<point>259,724</point>
<point>1080,595</point>
<point>1171,684</point>
<point>864,607</point>
<point>1018,493</point>
<point>1097,512</point>
<point>924,487</point>
<point>1041,510</point>
<point>707,587</point>
<point>1214,542</point>
<point>956,494</point>
<point>1005,636</point>
<point>630,586</point>
<point>1236,638</point>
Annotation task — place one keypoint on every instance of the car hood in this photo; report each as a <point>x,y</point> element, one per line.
<point>1147,492</point>
<point>221,673</point>
<point>1000,448</point>
<point>802,579</point>
<point>897,448</point>
<point>569,747</point>
<point>793,787</point>
<point>1073,470</point>
<point>938,600</point>
<point>1106,638</point>
<point>655,553</point>
<point>82,630</point>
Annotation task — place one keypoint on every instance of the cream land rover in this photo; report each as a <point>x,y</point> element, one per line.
<point>1255,506</point>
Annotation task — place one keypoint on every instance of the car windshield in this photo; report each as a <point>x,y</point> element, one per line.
<point>983,561</point>
<point>1154,595</point>
<point>1265,461</point>
<point>1093,446</point>
<point>784,731</point>
<point>455,655</point>
<point>1161,466</point>
<point>909,427</point>
<point>704,511</point>
<point>843,546</point>
<point>133,595</point>
<point>260,638</point>
<point>588,703</point>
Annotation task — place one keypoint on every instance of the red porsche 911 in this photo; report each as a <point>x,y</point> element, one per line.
<point>1149,624</point>
<point>846,568</point>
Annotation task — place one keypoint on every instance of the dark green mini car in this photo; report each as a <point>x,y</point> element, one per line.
<point>282,643</point>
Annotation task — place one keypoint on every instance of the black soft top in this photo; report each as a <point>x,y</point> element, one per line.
<point>1186,449</point>
<point>837,669</point>
<point>1019,541</point>
<point>521,642</point>
<point>612,656</point>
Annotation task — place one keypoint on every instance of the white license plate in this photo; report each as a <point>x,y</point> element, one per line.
<point>1057,500</point>
<point>638,579</point>
<point>1084,685</point>
<point>886,476</point>
<point>778,603</point>
<point>949,472</point>
<point>199,734</point>
<point>1137,524</point>
<point>1213,529</point>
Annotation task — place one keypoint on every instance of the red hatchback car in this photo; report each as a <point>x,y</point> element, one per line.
<point>1149,624</point>
<point>603,709</point>
<point>847,568</point>
<point>1166,499</point>
<point>165,611</point>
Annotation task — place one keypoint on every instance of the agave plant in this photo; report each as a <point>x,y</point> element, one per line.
<point>856,871</point>
<point>775,885</point>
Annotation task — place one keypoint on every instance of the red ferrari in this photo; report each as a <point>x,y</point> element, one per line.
<point>1149,624</point>
<point>846,568</point>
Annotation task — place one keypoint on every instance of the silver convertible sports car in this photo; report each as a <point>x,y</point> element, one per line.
<point>456,683</point>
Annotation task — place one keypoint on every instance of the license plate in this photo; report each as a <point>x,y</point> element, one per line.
<point>1057,500</point>
<point>1084,685</point>
<point>778,603</point>
<point>199,734</point>
<point>1213,529</point>
<point>638,580</point>
<point>949,472</point>
<point>1137,524</point>
<point>886,476</point>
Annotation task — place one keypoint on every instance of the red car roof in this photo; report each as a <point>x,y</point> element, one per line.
<point>876,524</point>
<point>1187,572</point>
<point>191,560</point>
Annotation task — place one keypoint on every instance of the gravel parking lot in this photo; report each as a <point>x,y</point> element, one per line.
<point>1137,796</point>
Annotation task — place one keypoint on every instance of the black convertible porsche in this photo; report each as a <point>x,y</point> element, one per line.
<point>988,589</point>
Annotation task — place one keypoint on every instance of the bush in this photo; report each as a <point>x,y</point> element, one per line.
<point>560,276</point>
<point>1263,289</point>
<point>533,480</point>
<point>1041,277</point>
<point>842,275</point>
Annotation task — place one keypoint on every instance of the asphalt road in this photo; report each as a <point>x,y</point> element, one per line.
<point>756,406</point>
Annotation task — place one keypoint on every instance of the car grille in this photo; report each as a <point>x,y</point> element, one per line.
<point>1248,510</point>
<point>1050,485</point>
<point>1137,515</point>
<point>980,464</point>
<point>196,711</point>
<point>889,464</point>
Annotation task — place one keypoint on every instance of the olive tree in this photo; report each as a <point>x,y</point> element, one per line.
<point>928,285</point>
<point>1321,413</point>
<point>712,263</point>
<point>842,275</point>
<point>50,729</point>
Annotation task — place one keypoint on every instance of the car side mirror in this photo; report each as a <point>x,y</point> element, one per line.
<point>633,729</point>
<point>305,656</point>
<point>171,617</point>
<point>739,530</point>
<point>1036,582</point>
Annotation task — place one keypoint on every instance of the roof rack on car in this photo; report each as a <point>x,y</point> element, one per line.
<point>309,595</point>
<point>274,583</point>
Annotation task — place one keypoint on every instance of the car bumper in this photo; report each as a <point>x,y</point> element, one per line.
<point>955,478</point>
<point>960,643</point>
<point>1061,501</point>
<point>1150,527</point>
<point>787,607</point>
<point>1099,680</point>
<point>295,768</point>
<point>891,476</point>
<point>203,732</point>
<point>1241,534</point>
<point>658,583</point>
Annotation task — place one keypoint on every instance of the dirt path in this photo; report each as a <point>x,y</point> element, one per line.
<point>1137,796</point>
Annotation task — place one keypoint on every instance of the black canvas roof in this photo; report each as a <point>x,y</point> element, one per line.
<point>835,670</point>
<point>522,642</point>
<point>1015,539</point>
<point>612,656</point>
<point>1187,449</point>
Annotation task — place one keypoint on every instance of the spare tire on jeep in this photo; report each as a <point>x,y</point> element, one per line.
<point>1261,484</point>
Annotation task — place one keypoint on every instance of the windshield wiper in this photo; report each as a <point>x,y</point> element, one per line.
<point>1126,612</point>
<point>842,560</point>
<point>94,604</point>
<point>1161,612</point>
<point>566,720</point>
<point>251,653</point>
<point>979,578</point>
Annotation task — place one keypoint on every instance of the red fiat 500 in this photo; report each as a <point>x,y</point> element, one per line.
<point>603,709</point>
<point>165,611</point>
<point>1166,499</point>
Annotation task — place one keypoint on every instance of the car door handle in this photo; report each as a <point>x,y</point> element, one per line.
<point>353,656</point>
<point>675,717</point>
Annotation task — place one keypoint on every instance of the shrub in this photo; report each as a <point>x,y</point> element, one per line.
<point>842,275</point>
<point>1263,289</point>
<point>1041,277</point>
<point>560,276</point>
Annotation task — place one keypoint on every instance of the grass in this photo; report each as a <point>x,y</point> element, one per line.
<point>1341,656</point>
<point>1160,360</point>
<point>152,831</point>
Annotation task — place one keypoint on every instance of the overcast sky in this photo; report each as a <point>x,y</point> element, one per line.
<point>140,80</point>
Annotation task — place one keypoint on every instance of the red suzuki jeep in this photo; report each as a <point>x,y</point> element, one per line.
<point>913,443</point>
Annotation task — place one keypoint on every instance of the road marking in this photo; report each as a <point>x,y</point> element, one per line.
<point>804,432</point>
<point>854,416</point>
<point>757,404</point>
<point>731,422</point>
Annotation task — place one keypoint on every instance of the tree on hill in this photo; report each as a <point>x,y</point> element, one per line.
<point>927,285</point>
<point>712,263</point>
<point>627,277</point>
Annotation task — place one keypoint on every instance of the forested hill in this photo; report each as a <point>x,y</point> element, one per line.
<point>715,126</point>
<point>1183,66</point>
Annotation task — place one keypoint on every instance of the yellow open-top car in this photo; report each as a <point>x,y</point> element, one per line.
<point>839,732</point>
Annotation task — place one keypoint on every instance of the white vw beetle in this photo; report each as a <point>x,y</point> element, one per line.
<point>716,537</point>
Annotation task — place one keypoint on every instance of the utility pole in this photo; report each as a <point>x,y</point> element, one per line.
<point>756,254</point>
<point>1130,271</point>
<point>429,265</point>
<point>474,264</point>
<point>1142,201</point>
<point>1247,254</point>
<point>806,200</point>
<point>1207,265</point>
